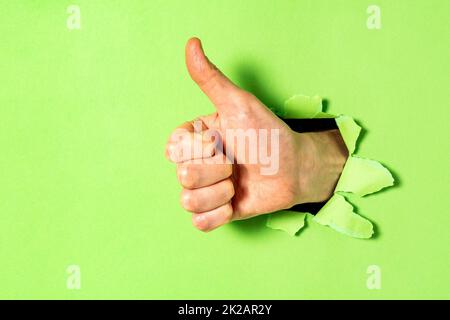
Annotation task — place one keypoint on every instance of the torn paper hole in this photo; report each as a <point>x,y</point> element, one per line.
<point>359,176</point>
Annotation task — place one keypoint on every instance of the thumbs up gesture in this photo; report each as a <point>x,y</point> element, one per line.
<point>242,160</point>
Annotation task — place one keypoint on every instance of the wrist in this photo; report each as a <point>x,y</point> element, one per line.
<point>322,156</point>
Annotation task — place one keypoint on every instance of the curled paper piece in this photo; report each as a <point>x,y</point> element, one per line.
<point>349,131</point>
<point>359,176</point>
<point>302,107</point>
<point>289,221</point>
<point>363,176</point>
<point>338,214</point>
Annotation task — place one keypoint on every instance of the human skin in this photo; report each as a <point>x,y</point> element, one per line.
<point>309,163</point>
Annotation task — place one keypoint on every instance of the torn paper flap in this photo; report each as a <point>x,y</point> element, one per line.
<point>363,176</point>
<point>302,107</point>
<point>349,131</point>
<point>288,221</point>
<point>338,214</point>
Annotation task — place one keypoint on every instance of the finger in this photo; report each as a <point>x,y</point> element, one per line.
<point>211,81</point>
<point>210,120</point>
<point>192,175</point>
<point>195,126</point>
<point>189,146</point>
<point>213,219</point>
<point>207,198</point>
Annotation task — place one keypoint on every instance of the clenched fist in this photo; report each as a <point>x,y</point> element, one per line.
<point>242,160</point>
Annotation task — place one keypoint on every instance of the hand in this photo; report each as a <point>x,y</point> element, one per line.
<point>307,165</point>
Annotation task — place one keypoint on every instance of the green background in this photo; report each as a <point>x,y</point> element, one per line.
<point>84,117</point>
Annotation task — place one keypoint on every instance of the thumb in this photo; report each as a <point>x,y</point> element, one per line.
<point>213,83</point>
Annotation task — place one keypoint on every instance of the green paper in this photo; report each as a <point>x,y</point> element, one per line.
<point>363,176</point>
<point>288,221</point>
<point>324,115</point>
<point>349,131</point>
<point>338,214</point>
<point>85,115</point>
<point>302,107</point>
